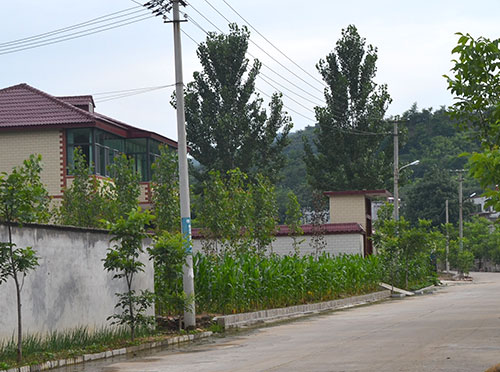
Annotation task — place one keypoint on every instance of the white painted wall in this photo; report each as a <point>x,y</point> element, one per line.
<point>70,288</point>
<point>336,244</point>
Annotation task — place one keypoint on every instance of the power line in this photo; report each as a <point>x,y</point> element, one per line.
<point>267,53</point>
<point>288,108</point>
<point>75,35</point>
<point>69,28</point>
<point>274,46</point>
<point>290,98</point>
<point>131,92</point>
<point>264,65</point>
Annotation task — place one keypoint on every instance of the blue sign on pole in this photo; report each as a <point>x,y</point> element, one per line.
<point>186,232</point>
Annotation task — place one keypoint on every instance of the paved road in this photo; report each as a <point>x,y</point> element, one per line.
<point>455,329</point>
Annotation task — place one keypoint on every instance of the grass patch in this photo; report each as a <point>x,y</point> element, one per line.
<point>55,345</point>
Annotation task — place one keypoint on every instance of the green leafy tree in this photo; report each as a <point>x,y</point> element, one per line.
<point>123,259</point>
<point>226,126</point>
<point>237,214</point>
<point>406,251</point>
<point>354,104</point>
<point>165,188</point>
<point>125,188</point>
<point>23,199</point>
<point>293,221</point>
<point>475,82</point>
<point>87,200</point>
<point>265,216</point>
<point>434,188</point>
<point>169,256</point>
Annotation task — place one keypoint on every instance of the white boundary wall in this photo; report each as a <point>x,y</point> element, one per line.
<point>70,288</point>
<point>336,244</point>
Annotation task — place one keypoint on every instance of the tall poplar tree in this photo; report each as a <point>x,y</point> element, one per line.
<point>343,155</point>
<point>226,125</point>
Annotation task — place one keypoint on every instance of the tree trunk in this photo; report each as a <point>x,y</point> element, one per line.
<point>131,309</point>
<point>18,297</point>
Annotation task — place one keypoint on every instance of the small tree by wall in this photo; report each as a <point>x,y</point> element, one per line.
<point>123,260</point>
<point>23,199</point>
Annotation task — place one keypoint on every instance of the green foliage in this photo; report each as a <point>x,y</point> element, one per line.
<point>483,240</point>
<point>87,201</point>
<point>405,251</point>
<point>226,127</point>
<point>293,221</point>
<point>125,188</point>
<point>123,260</point>
<point>23,199</point>
<point>165,188</point>
<point>264,207</point>
<point>475,83</point>
<point>465,261</point>
<point>250,282</point>
<point>354,103</point>
<point>435,187</point>
<point>236,214</point>
<point>70,343</point>
<point>169,256</point>
<point>294,174</point>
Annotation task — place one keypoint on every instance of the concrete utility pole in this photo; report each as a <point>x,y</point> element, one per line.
<point>447,238</point>
<point>188,278</point>
<point>160,7</point>
<point>396,171</point>
<point>460,213</point>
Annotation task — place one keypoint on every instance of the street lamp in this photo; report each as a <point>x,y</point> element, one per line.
<point>396,186</point>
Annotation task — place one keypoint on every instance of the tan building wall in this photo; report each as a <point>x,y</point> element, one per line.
<point>348,208</point>
<point>18,146</point>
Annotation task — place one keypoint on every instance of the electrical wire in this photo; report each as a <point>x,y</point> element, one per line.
<point>113,95</point>
<point>274,46</point>
<point>267,53</point>
<point>76,35</point>
<point>318,100</point>
<point>73,27</point>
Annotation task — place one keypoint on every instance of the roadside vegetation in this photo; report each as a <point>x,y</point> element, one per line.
<point>228,284</point>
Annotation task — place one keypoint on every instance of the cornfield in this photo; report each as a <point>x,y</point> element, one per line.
<point>249,282</point>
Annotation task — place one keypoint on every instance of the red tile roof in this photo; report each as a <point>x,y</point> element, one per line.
<point>367,193</point>
<point>23,106</point>
<point>328,229</point>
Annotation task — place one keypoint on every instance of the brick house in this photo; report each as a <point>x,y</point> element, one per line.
<point>355,206</point>
<point>35,122</point>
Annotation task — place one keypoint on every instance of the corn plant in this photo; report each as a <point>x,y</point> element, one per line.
<point>249,281</point>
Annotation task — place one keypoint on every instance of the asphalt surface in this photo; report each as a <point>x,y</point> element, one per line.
<point>455,329</point>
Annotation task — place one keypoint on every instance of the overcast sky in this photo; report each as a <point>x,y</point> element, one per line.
<point>414,40</point>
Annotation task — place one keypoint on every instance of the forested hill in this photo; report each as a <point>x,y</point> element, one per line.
<point>428,135</point>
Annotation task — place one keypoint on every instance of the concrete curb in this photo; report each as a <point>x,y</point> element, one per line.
<point>109,353</point>
<point>275,315</point>
<point>429,289</point>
